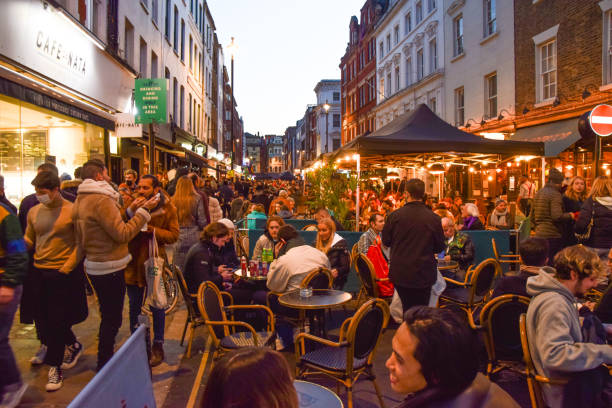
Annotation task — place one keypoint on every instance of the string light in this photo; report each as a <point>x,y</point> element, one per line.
<point>509,164</point>
<point>498,170</point>
<point>471,169</point>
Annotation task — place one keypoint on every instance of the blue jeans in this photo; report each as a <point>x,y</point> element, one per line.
<point>9,373</point>
<point>136,297</point>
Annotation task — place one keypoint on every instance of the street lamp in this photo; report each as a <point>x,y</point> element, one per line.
<point>326,107</point>
<point>232,49</point>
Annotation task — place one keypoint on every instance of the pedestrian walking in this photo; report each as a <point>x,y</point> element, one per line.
<point>191,218</point>
<point>57,277</point>
<point>13,267</point>
<point>103,236</point>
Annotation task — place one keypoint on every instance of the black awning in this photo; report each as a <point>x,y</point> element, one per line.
<point>556,136</point>
<point>422,131</point>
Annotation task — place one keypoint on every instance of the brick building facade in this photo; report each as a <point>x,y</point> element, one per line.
<point>358,72</point>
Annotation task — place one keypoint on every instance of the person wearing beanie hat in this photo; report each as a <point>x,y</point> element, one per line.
<point>500,217</point>
<point>547,213</point>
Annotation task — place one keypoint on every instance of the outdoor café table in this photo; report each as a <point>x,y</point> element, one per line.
<point>320,299</point>
<point>249,277</point>
<point>312,395</point>
<point>447,265</point>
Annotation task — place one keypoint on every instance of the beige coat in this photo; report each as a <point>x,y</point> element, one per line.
<point>101,232</point>
<point>214,209</point>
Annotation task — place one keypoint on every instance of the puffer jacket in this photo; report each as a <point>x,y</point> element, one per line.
<point>339,259</point>
<point>600,209</point>
<point>214,209</point>
<point>547,213</point>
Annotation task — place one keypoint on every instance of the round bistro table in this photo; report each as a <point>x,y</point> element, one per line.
<point>320,299</point>
<point>311,395</point>
<point>447,265</point>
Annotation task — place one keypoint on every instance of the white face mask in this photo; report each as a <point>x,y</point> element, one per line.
<point>43,198</point>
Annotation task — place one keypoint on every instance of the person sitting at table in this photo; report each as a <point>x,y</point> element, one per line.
<point>471,220</point>
<point>368,238</point>
<point>270,237</point>
<point>534,257</point>
<point>263,372</point>
<point>500,217</point>
<point>459,248</point>
<point>228,251</point>
<point>434,360</point>
<point>257,212</point>
<point>204,262</point>
<point>336,249</point>
<point>295,259</point>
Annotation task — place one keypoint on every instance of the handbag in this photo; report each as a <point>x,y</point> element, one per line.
<point>587,234</point>
<point>154,267</point>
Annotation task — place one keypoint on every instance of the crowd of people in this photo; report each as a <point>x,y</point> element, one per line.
<point>87,233</point>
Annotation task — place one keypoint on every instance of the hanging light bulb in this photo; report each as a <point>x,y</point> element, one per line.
<point>509,164</point>
<point>498,170</point>
<point>471,169</point>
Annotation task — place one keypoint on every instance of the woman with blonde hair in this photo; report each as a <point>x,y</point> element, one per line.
<point>574,197</point>
<point>596,216</point>
<point>191,217</point>
<point>336,249</point>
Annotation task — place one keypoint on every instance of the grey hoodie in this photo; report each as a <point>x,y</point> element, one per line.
<point>555,339</point>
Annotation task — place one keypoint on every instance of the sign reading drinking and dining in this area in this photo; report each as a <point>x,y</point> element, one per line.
<point>601,120</point>
<point>150,100</point>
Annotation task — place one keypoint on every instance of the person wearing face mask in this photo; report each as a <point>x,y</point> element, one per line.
<point>60,293</point>
<point>103,236</point>
<point>130,178</point>
<point>164,223</point>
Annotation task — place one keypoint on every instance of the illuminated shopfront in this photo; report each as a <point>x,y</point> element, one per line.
<point>30,135</point>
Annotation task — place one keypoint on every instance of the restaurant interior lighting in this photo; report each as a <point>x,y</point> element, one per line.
<point>471,169</point>
<point>509,164</point>
<point>436,169</point>
<point>493,135</point>
<point>498,170</point>
<point>569,167</point>
<point>490,178</point>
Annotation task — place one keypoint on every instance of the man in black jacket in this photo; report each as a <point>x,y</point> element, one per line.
<point>414,234</point>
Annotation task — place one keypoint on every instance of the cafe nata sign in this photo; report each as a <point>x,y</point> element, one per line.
<point>125,126</point>
<point>61,51</point>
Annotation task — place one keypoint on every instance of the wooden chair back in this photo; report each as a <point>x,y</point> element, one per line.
<point>319,278</point>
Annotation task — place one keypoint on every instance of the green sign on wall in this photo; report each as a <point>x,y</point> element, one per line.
<point>150,99</point>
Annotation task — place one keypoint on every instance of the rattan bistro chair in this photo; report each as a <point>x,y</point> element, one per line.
<point>475,290</point>
<point>533,379</point>
<point>353,354</point>
<point>505,258</point>
<point>368,278</point>
<point>194,319</point>
<point>223,331</point>
<point>499,324</point>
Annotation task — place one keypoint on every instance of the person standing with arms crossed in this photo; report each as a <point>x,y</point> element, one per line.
<point>414,234</point>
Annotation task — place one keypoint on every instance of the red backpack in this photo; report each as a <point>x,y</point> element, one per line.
<point>381,268</point>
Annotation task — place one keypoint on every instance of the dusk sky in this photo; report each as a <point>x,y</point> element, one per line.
<point>284,48</point>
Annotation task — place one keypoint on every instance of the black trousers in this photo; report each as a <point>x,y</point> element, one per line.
<point>54,303</point>
<point>110,289</point>
<point>413,296</point>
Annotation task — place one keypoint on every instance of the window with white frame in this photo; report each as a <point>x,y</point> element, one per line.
<point>396,34</point>
<point>607,51</point>
<point>382,88</point>
<point>397,79</point>
<point>389,83</point>
<point>420,64</point>
<point>459,106</point>
<point>431,4</point>
<point>491,95</point>
<point>490,23</point>
<point>432,103</point>
<point>547,81</point>
<point>458,35</point>
<point>381,51</point>
<point>433,55</point>
<point>418,12</point>
<point>407,23</point>
<point>408,71</point>
<point>388,42</point>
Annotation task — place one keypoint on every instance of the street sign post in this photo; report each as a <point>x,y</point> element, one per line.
<point>600,120</point>
<point>150,100</point>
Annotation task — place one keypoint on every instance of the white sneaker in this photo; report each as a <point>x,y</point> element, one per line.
<point>40,355</point>
<point>12,398</point>
<point>55,379</point>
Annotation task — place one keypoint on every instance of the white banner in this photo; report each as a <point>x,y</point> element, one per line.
<point>126,127</point>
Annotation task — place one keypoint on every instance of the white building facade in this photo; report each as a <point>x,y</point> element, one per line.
<point>327,120</point>
<point>410,57</point>
<point>479,61</point>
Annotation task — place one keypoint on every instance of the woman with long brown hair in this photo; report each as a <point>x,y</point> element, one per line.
<point>270,237</point>
<point>191,216</point>
<point>597,212</point>
<point>336,249</point>
<point>250,377</point>
<point>574,197</point>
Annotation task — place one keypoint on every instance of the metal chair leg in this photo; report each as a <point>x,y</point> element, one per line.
<point>349,396</point>
<point>191,333</point>
<point>380,399</point>
<point>187,322</point>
